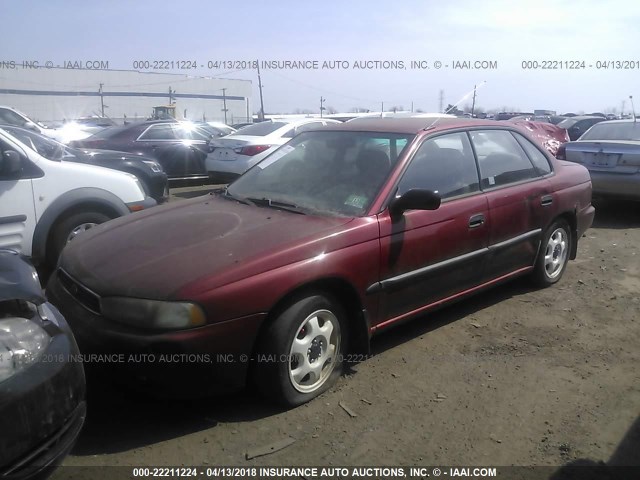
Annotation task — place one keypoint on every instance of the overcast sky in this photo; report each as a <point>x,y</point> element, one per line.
<point>507,32</point>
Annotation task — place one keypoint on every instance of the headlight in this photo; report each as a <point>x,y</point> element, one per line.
<point>139,184</point>
<point>22,342</point>
<point>154,166</point>
<point>152,313</point>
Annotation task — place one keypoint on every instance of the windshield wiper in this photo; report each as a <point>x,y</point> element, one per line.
<point>230,196</point>
<point>267,202</point>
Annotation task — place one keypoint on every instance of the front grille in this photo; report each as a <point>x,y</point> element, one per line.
<point>82,294</point>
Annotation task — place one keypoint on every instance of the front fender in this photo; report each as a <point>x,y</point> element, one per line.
<point>105,200</point>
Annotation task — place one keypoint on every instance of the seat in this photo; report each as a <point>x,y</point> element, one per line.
<point>450,172</point>
<point>373,167</point>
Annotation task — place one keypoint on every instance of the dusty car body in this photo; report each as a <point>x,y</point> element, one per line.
<point>42,384</point>
<point>611,152</point>
<point>337,236</point>
<point>547,134</point>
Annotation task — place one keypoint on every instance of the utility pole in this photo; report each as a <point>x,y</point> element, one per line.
<point>224,103</point>
<point>411,107</point>
<point>382,110</point>
<point>171,92</point>
<point>441,109</point>
<point>322,100</point>
<point>622,109</point>
<point>261,116</point>
<point>473,104</point>
<point>101,99</point>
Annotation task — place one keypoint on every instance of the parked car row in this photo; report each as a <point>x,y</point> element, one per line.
<point>148,171</point>
<point>179,147</point>
<point>234,154</point>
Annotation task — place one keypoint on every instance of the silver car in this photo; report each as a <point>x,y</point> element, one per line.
<point>236,153</point>
<point>611,152</point>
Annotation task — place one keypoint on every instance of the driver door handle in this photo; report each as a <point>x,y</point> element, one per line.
<point>476,221</point>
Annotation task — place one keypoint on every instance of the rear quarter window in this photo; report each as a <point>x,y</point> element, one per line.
<point>539,160</point>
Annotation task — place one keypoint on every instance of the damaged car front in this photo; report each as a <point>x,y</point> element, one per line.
<point>42,383</point>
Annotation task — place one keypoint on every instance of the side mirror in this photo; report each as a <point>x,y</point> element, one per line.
<point>10,163</point>
<point>414,199</point>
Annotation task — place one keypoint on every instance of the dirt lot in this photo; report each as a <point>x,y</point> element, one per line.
<point>516,376</point>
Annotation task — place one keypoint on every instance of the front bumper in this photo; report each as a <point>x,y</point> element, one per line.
<point>236,167</point>
<point>610,184</point>
<point>584,220</point>
<point>195,362</point>
<point>42,408</point>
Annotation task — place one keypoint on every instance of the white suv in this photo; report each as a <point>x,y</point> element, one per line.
<point>45,203</point>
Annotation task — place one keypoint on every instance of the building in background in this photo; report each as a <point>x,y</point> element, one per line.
<point>58,94</point>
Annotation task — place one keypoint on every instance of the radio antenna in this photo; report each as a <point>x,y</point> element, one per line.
<point>464,97</point>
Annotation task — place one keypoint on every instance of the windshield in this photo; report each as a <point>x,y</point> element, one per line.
<point>46,147</point>
<point>325,172</point>
<point>109,132</point>
<point>260,129</point>
<point>567,123</point>
<point>613,131</point>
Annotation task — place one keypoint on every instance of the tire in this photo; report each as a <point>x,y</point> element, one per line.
<point>554,254</point>
<point>66,229</point>
<point>307,330</point>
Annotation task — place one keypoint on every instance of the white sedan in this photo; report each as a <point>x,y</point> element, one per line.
<point>236,153</point>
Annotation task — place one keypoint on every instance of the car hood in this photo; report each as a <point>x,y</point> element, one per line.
<point>156,253</point>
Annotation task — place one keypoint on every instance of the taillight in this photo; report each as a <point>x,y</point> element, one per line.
<point>561,154</point>
<point>251,150</point>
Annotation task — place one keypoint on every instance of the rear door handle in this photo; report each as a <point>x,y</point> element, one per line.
<point>476,220</point>
<point>546,200</point>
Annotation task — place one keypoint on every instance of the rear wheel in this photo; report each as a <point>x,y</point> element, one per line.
<point>69,228</point>
<point>554,254</point>
<point>300,353</point>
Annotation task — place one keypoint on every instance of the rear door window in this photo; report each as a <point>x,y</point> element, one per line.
<point>501,159</point>
<point>159,132</point>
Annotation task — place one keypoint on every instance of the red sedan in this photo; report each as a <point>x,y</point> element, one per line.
<point>283,277</point>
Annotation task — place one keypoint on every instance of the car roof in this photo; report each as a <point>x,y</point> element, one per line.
<point>415,125</point>
<point>299,121</point>
<point>585,117</point>
<point>624,120</point>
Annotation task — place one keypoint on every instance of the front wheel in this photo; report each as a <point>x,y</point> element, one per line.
<point>299,355</point>
<point>554,254</point>
<point>69,228</point>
